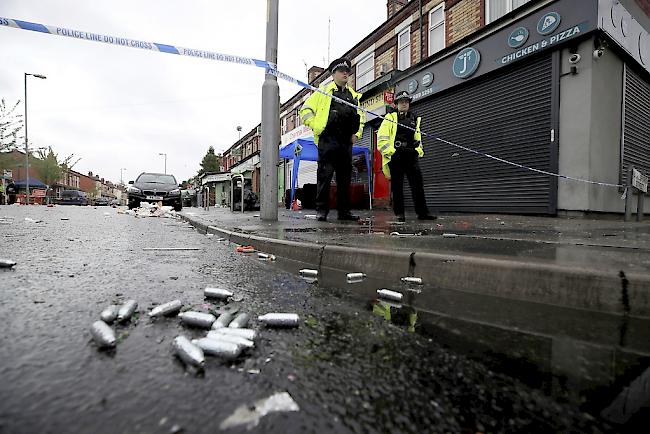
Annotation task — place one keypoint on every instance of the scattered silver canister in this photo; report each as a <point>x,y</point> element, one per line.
<point>6,263</point>
<point>390,295</point>
<point>416,280</point>
<point>249,334</point>
<point>240,321</point>
<point>167,309</point>
<point>223,320</point>
<point>306,272</point>
<point>109,314</point>
<point>127,310</point>
<point>280,319</point>
<point>188,352</point>
<point>242,342</point>
<point>197,319</point>
<point>213,347</point>
<point>220,293</point>
<point>102,334</point>
<point>356,277</point>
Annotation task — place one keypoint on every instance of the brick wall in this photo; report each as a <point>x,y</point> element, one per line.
<point>463,18</point>
<point>387,57</point>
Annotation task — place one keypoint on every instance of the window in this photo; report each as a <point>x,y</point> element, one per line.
<point>437,29</point>
<point>365,71</point>
<point>404,49</point>
<point>495,9</point>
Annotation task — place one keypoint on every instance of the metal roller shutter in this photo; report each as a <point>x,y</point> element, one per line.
<point>507,114</point>
<point>359,171</point>
<point>636,129</point>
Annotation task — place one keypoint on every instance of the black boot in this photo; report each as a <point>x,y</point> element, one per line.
<point>348,217</point>
<point>321,216</point>
<point>427,217</point>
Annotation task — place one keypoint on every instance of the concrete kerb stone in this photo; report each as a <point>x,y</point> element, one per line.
<point>535,282</point>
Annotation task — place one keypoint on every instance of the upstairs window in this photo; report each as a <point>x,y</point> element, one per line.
<point>437,29</point>
<point>495,9</point>
<point>365,71</point>
<point>404,49</point>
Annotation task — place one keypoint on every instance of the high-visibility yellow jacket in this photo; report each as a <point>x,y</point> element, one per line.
<point>316,110</point>
<point>386,140</point>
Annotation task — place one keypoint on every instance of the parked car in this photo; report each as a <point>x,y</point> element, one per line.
<point>115,203</point>
<point>155,187</point>
<point>102,201</point>
<point>189,197</point>
<point>73,197</point>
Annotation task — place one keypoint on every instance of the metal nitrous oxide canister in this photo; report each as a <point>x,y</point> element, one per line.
<point>390,295</point>
<point>188,352</point>
<point>242,342</point>
<point>109,314</point>
<point>223,320</point>
<point>306,272</point>
<point>220,293</point>
<point>6,263</point>
<point>244,333</point>
<point>167,309</point>
<point>213,347</point>
<point>240,321</point>
<point>280,319</point>
<point>127,310</point>
<point>102,334</point>
<point>416,280</point>
<point>197,319</point>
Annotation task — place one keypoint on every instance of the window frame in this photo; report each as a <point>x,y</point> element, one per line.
<point>442,24</point>
<point>358,73</point>
<point>509,8</point>
<point>406,30</point>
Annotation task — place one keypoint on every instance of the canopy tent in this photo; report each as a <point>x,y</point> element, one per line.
<point>306,149</point>
<point>33,183</point>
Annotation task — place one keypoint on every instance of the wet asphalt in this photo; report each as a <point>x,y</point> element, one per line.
<point>347,368</point>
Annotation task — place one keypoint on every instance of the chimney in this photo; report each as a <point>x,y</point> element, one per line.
<point>394,6</point>
<point>314,72</point>
<point>90,174</point>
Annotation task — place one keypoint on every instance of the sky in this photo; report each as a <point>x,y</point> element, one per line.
<point>119,108</point>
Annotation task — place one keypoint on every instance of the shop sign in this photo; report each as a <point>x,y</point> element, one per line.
<point>427,79</point>
<point>639,181</point>
<point>389,97</point>
<point>466,62</point>
<point>548,23</point>
<point>300,132</point>
<point>518,37</point>
<point>374,102</point>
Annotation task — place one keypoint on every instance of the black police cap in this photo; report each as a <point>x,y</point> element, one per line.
<point>341,63</point>
<point>403,95</point>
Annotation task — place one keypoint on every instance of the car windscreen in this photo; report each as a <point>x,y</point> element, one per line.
<point>156,179</point>
<point>70,194</point>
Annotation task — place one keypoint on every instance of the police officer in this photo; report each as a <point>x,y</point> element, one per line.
<point>400,144</point>
<point>336,128</point>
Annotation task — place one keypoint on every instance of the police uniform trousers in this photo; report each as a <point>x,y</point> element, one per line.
<point>333,157</point>
<point>404,162</point>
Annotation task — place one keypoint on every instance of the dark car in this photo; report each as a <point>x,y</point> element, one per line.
<point>155,187</point>
<point>72,197</point>
<point>102,201</point>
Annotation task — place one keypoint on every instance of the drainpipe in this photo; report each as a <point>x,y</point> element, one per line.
<point>420,7</point>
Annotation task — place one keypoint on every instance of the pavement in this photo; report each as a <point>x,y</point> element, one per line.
<point>595,264</point>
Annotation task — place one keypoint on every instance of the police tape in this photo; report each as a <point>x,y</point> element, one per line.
<point>270,69</point>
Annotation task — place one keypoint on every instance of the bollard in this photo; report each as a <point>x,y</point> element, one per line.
<point>213,347</point>
<point>249,334</point>
<point>167,309</point>
<point>240,321</point>
<point>102,334</point>
<point>390,295</point>
<point>223,320</point>
<point>280,319</point>
<point>109,314</point>
<point>188,352</point>
<point>197,319</point>
<point>220,293</point>
<point>127,310</point>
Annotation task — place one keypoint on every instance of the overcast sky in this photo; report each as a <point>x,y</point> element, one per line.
<point>119,107</point>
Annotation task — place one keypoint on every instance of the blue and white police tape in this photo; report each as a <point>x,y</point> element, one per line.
<point>270,69</point>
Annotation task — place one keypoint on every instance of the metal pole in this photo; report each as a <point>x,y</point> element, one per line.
<point>639,206</point>
<point>629,195</point>
<point>270,120</point>
<point>165,164</point>
<point>26,149</point>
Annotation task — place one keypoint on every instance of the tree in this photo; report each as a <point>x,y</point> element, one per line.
<point>211,162</point>
<point>48,166</point>
<point>11,125</point>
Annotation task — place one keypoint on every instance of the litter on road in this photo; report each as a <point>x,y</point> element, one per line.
<point>197,319</point>
<point>390,295</point>
<point>102,334</point>
<point>220,293</point>
<point>250,415</point>
<point>109,314</point>
<point>188,352</point>
<point>167,309</point>
<point>280,319</point>
<point>416,280</point>
<point>240,321</point>
<point>449,235</point>
<point>6,263</point>
<point>402,235</point>
<point>127,310</point>
<point>172,249</point>
<point>243,342</point>
<point>306,272</point>
<point>355,277</point>
<point>249,334</point>
<point>223,320</point>
<point>213,347</point>
<point>245,249</point>
<point>265,257</point>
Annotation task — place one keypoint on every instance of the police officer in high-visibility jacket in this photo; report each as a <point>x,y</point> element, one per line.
<point>400,144</point>
<point>336,127</point>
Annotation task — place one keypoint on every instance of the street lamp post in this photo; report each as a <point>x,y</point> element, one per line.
<point>27,141</point>
<point>121,178</point>
<point>239,131</point>
<point>270,120</point>
<point>162,153</point>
